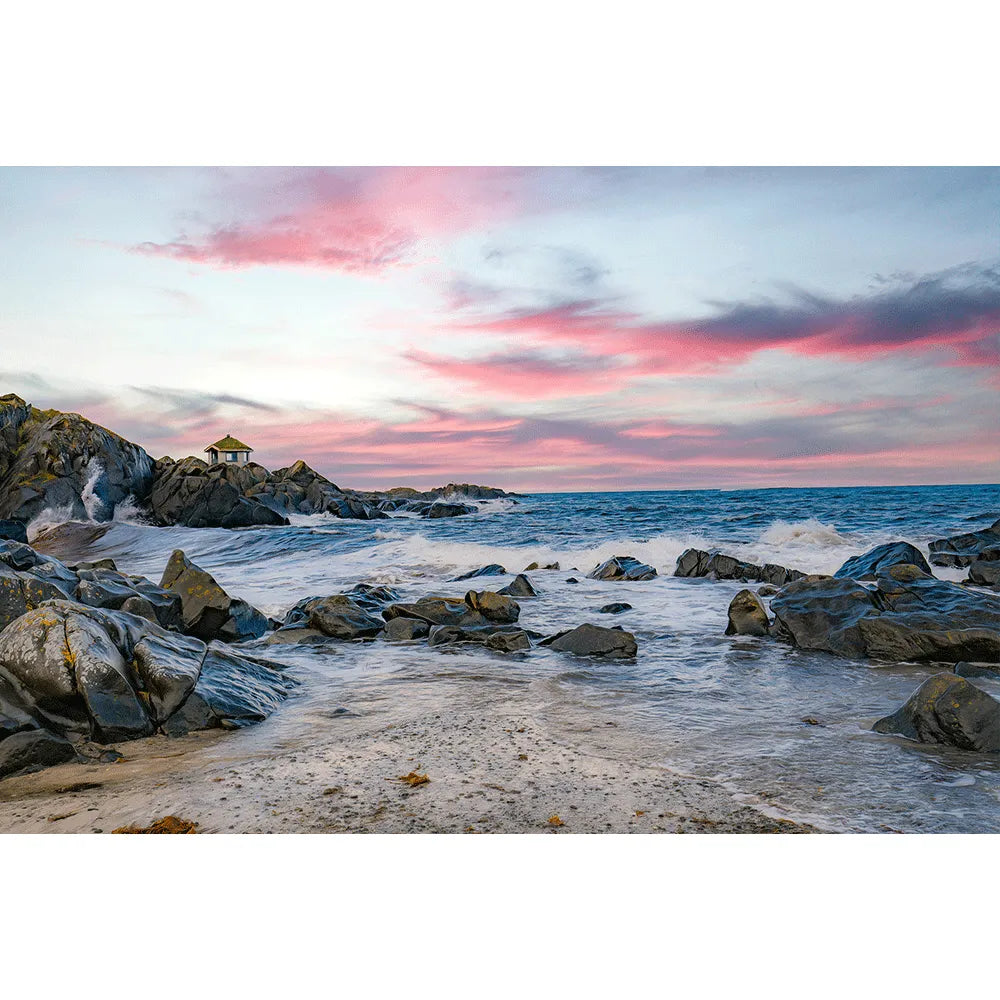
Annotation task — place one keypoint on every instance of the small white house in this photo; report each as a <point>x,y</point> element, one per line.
<point>228,451</point>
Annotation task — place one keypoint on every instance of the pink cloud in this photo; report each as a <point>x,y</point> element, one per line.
<point>354,220</point>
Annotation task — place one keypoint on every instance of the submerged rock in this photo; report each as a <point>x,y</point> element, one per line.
<point>747,615</point>
<point>948,710</point>
<point>594,640</point>
<point>508,642</point>
<point>877,560</point>
<point>614,609</point>
<point>494,569</point>
<point>622,568</point>
<point>717,566</point>
<point>208,612</point>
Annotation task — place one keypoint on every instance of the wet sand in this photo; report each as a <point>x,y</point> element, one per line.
<point>494,764</point>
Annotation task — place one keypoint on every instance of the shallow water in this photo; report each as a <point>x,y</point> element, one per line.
<point>729,708</point>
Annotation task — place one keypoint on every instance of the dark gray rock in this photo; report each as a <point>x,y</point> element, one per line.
<point>405,629</point>
<point>622,568</point>
<point>15,531</point>
<point>208,612</point>
<point>32,750</point>
<point>594,640</point>
<point>877,560</point>
<point>53,460</point>
<point>437,611</point>
<point>961,550</point>
<point>342,616</point>
<point>508,642</point>
<point>747,615</point>
<point>520,586</point>
<point>985,573</point>
<point>718,566</point>
<point>197,495</point>
<point>988,670</point>
<point>533,566</point>
<point>238,689</point>
<point>909,617</point>
<point>948,710</point>
<point>441,509</point>
<point>494,569</point>
<point>615,609</point>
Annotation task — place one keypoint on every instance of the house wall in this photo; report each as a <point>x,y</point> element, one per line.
<point>242,458</point>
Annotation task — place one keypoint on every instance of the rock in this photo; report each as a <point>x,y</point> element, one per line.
<point>494,569</point>
<point>948,710</point>
<point>908,617</point>
<point>33,750</point>
<point>985,573</point>
<point>520,586</point>
<point>197,495</point>
<point>61,461</point>
<point>614,609</point>
<point>405,629</point>
<point>440,509</point>
<point>341,616</point>
<point>508,642</point>
<point>446,635</point>
<point>747,615</point>
<point>238,689</point>
<point>208,612</point>
<point>961,550</point>
<point>989,670</point>
<point>593,640</point>
<point>494,607</point>
<point>534,566</point>
<point>879,559</point>
<point>572,579</point>
<point>717,566</point>
<point>622,568</point>
<point>767,590</point>
<point>437,611</point>
<point>15,531</point>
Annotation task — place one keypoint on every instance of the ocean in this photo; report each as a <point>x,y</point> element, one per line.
<point>729,709</point>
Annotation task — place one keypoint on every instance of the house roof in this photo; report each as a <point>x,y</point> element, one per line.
<point>229,443</point>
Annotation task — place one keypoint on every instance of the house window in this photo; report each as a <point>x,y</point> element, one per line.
<point>231,456</point>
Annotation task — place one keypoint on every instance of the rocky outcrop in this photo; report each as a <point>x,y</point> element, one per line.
<point>718,566</point>
<point>961,550</point>
<point>948,710</point>
<point>62,461</point>
<point>594,640</point>
<point>207,611</point>
<point>880,558</point>
<point>107,676</point>
<point>747,615</point>
<point>622,568</point>
<point>908,617</point>
<point>197,495</point>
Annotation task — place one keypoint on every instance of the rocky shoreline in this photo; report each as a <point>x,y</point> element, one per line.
<point>98,664</point>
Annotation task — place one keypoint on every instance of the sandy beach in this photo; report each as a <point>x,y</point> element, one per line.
<point>493,768</point>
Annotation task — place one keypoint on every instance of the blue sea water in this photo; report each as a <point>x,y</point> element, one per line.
<point>694,700</point>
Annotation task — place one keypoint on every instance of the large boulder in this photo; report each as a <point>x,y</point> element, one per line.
<point>88,673</point>
<point>718,566</point>
<point>880,558</point>
<point>594,640</point>
<point>961,550</point>
<point>948,710</point>
<point>622,568</point>
<point>985,572</point>
<point>208,612</point>
<point>198,495</point>
<point>62,461</point>
<point>747,615</point>
<point>908,617</point>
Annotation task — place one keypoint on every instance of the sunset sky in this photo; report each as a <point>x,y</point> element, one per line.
<point>532,328</point>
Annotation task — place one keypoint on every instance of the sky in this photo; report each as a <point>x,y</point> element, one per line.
<point>539,329</point>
